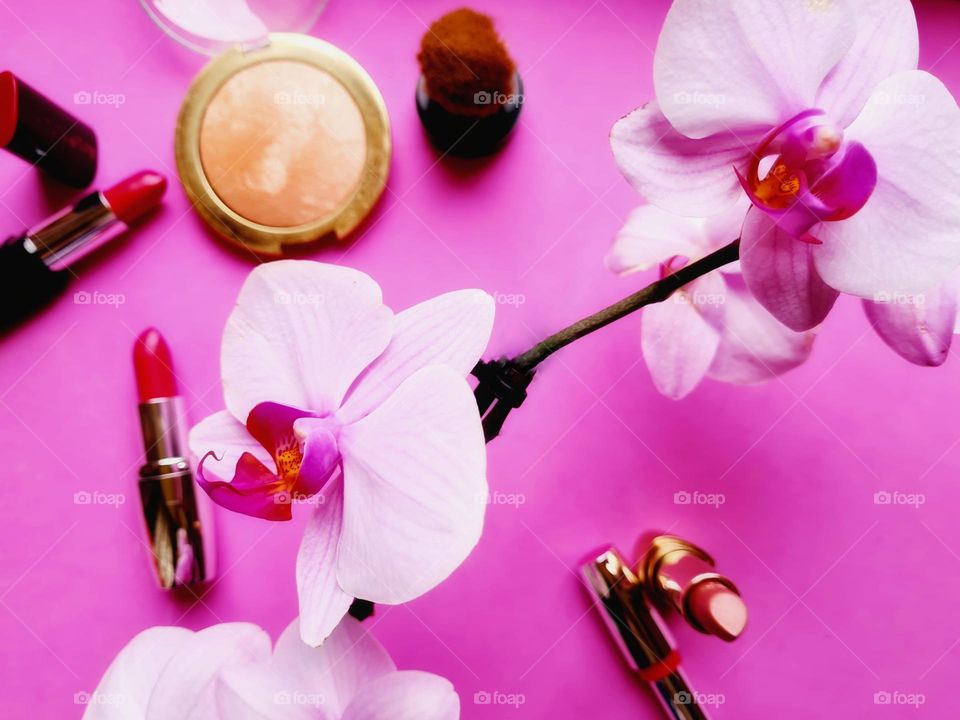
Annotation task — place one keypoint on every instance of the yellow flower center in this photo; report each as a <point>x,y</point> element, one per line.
<point>289,457</point>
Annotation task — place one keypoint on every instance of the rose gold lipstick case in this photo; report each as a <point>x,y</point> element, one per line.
<point>178,518</point>
<point>671,568</point>
<point>639,633</point>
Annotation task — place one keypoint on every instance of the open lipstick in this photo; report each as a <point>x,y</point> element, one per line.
<point>640,633</point>
<point>178,519</point>
<point>679,574</point>
<point>35,266</point>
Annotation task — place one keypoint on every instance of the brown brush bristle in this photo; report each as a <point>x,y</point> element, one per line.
<point>465,64</point>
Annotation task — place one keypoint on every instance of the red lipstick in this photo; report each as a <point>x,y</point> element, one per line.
<point>44,134</point>
<point>34,266</point>
<point>136,196</point>
<point>153,366</point>
<point>178,519</point>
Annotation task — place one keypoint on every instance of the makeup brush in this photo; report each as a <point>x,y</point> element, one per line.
<point>469,94</point>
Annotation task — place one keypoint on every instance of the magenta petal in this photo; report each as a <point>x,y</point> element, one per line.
<point>226,438</point>
<point>254,491</point>
<point>321,458</point>
<point>846,187</point>
<point>919,328</point>
<point>272,424</point>
<point>780,273</point>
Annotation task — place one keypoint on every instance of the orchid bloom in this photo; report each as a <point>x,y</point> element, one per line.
<point>815,108</point>
<point>712,327</point>
<point>920,327</point>
<point>330,396</point>
<point>228,672</point>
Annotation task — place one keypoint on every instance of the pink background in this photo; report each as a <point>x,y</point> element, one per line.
<point>848,598</point>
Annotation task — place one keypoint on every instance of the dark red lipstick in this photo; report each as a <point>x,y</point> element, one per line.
<point>41,132</point>
<point>178,518</point>
<point>35,266</point>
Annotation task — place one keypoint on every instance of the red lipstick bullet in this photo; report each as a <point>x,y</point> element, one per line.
<point>178,518</point>
<point>153,366</point>
<point>34,266</point>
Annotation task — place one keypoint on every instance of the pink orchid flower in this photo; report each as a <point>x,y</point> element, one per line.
<point>333,398</point>
<point>920,327</point>
<point>712,327</point>
<point>228,672</point>
<point>850,154</point>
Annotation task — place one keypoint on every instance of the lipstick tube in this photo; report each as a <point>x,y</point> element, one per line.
<point>640,633</point>
<point>34,266</point>
<point>178,520</point>
<point>44,134</point>
<point>678,574</point>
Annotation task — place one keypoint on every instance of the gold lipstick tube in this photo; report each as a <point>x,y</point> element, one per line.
<point>672,569</point>
<point>640,634</point>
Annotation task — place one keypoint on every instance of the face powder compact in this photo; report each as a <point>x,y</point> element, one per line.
<point>283,139</point>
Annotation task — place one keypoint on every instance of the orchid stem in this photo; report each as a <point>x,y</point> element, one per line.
<point>503,383</point>
<point>654,293</point>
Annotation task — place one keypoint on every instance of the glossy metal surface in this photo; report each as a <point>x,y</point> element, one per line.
<point>73,233</point>
<point>176,514</point>
<point>671,568</point>
<point>639,632</point>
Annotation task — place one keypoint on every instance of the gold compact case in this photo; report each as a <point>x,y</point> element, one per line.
<point>283,140</point>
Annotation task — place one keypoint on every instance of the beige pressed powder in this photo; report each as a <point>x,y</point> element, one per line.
<point>283,145</point>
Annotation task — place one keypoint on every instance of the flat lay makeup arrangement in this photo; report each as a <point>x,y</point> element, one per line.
<point>423,360</point>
